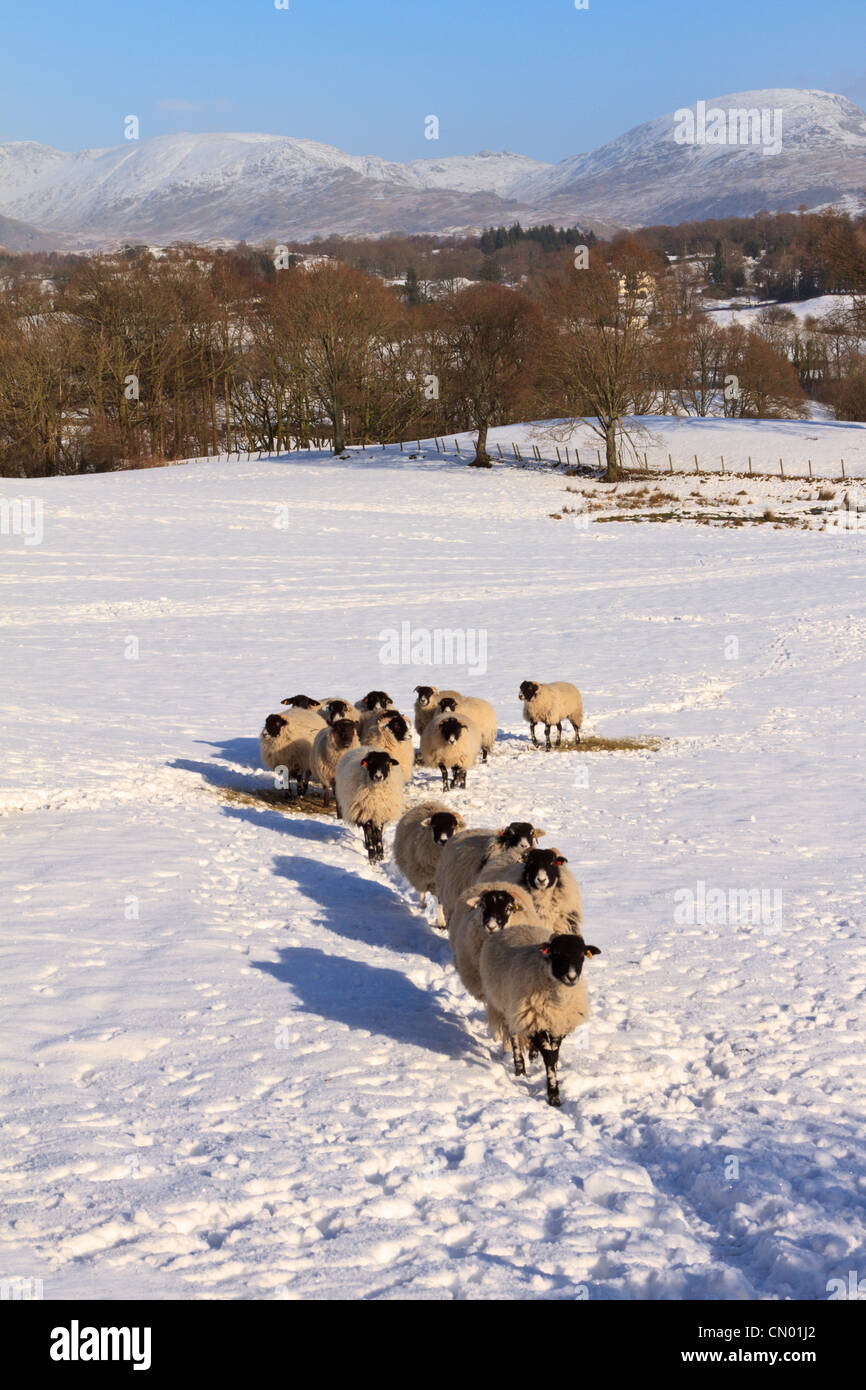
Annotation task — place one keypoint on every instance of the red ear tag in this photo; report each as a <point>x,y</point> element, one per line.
<point>363,762</point>
<point>560,860</point>
<point>545,950</point>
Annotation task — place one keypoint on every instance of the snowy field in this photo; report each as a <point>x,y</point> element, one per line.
<point>238,1062</point>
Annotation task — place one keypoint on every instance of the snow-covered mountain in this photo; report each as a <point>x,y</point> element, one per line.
<point>257,187</point>
<point>816,154</point>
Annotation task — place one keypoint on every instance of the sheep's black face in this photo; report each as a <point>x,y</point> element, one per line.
<point>520,834</point>
<point>542,868</point>
<point>398,726</point>
<point>337,709</point>
<point>442,826</point>
<point>376,699</point>
<point>497,906</point>
<point>425,694</point>
<point>274,723</point>
<point>528,690</point>
<point>378,765</point>
<point>451,729</point>
<point>301,702</point>
<point>447,704</point>
<point>344,732</point>
<point>566,956</point>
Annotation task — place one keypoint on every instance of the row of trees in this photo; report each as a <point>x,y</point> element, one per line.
<point>133,356</point>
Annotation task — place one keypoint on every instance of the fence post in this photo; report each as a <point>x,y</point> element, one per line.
<point>499,447</point>
<point>697,465</point>
<point>810,468</point>
<point>577,455</point>
<point>671,463</point>
<point>558,455</point>
<point>750,465</point>
<point>514,450</point>
<point>457,445</point>
<point>843,468</point>
<point>598,456</point>
<point>723,462</point>
<point>436,442</point>
<point>567,459</point>
<point>401,446</point>
<point>645,464</point>
<point>781,468</point>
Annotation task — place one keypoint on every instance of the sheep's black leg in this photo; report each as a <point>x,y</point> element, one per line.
<point>443,769</point>
<point>576,728</point>
<point>519,1064</point>
<point>559,731</point>
<point>533,1050</point>
<point>370,840</point>
<point>380,843</point>
<point>458,777</point>
<point>549,1049</point>
<point>532,731</point>
<point>547,737</point>
<point>484,755</point>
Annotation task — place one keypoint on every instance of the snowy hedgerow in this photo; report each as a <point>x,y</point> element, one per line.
<point>421,836</point>
<point>449,742</point>
<point>369,790</point>
<point>480,911</point>
<point>553,887</point>
<point>467,854</point>
<point>532,986</point>
<point>481,712</point>
<point>551,704</point>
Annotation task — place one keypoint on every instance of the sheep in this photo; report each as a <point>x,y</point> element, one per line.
<point>336,708</point>
<point>553,888</point>
<point>449,742</point>
<point>287,740</point>
<point>393,734</point>
<point>302,702</point>
<point>551,704</point>
<point>329,746</point>
<point>425,705</point>
<point>370,722</point>
<point>464,857</point>
<point>481,711</point>
<point>481,910</point>
<point>532,987</point>
<point>374,699</point>
<point>422,835</point>
<point>369,793</point>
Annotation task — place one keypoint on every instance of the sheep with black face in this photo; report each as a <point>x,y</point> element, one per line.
<point>551,704</point>
<point>422,835</point>
<point>472,850</point>
<point>374,699</point>
<point>286,745</point>
<point>451,744</point>
<point>369,791</point>
<point>552,886</point>
<point>394,735</point>
<point>535,995</point>
<point>480,711</point>
<point>329,746</point>
<point>337,708</point>
<point>426,702</point>
<point>480,911</point>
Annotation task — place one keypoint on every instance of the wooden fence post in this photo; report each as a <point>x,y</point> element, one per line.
<point>723,463</point>
<point>499,447</point>
<point>810,468</point>
<point>781,468</point>
<point>843,468</point>
<point>697,465</point>
<point>671,463</point>
<point>457,445</point>
<point>750,465</point>
<point>558,455</point>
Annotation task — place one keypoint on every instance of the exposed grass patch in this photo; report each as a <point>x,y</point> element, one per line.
<point>277,801</point>
<point>595,743</point>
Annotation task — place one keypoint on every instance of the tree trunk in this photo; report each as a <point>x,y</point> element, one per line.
<point>339,437</point>
<point>612,475</point>
<point>482,458</point>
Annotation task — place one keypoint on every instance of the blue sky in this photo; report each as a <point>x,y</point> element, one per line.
<point>536,76</point>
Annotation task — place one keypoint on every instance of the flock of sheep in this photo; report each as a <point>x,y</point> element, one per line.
<point>513,912</point>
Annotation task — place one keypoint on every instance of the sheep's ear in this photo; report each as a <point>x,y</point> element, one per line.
<point>537,834</point>
<point>593,951</point>
<point>474,900</point>
<point>395,762</point>
<point>426,820</point>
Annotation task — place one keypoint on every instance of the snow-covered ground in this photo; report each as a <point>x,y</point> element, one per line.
<point>238,1062</point>
<point>820,307</point>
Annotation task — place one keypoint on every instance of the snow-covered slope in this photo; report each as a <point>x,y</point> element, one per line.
<point>239,1063</point>
<point>253,186</point>
<point>645,176</point>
